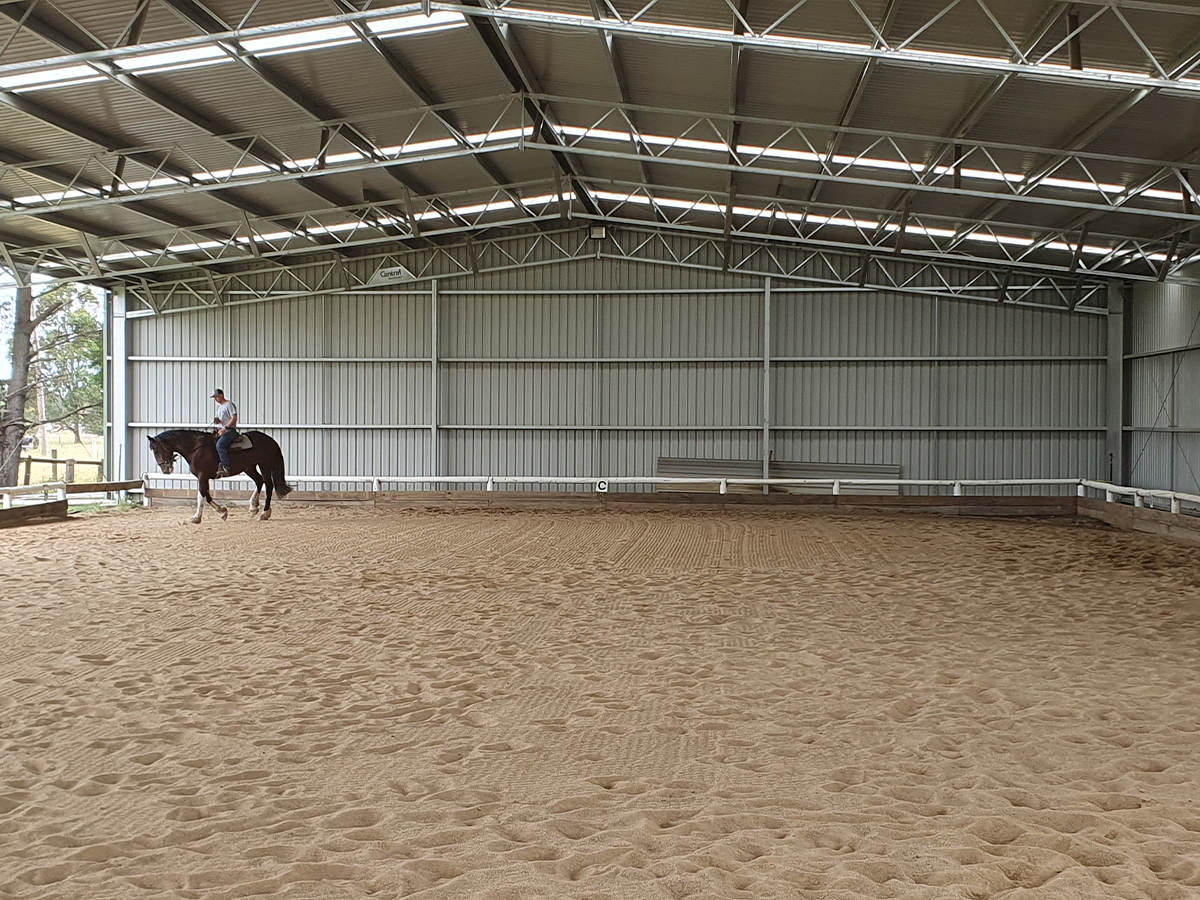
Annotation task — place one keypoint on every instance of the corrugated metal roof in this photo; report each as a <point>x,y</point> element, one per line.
<point>887,82</point>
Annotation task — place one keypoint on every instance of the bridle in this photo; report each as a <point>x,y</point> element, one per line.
<point>164,463</point>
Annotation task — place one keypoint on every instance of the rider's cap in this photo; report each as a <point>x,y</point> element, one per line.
<point>218,393</point>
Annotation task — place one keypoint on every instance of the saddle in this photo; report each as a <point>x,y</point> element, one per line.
<point>243,442</point>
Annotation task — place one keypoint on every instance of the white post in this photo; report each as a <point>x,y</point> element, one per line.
<point>1176,505</point>
<point>1109,496</point>
<point>433,381</point>
<point>958,489</point>
<point>1115,384</point>
<point>119,402</point>
<point>491,485</point>
<point>6,501</point>
<point>1139,501</point>
<point>837,488</point>
<point>1080,490</point>
<point>725,486</point>
<point>766,415</point>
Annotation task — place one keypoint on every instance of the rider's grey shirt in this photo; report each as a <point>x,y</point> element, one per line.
<point>225,413</point>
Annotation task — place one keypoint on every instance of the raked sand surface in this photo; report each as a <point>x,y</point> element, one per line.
<point>596,704</point>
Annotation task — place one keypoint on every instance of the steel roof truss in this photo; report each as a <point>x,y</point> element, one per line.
<point>877,45</point>
<point>84,46</point>
<point>503,47</point>
<point>527,13</point>
<point>404,74</point>
<point>937,179</point>
<point>819,269</point>
<point>612,57</point>
<point>923,227</point>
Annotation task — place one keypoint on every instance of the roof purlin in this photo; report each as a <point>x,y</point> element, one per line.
<point>83,43</point>
<point>509,57</point>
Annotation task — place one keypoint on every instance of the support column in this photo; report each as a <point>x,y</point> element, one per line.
<point>119,464</point>
<point>434,455</point>
<point>1115,386</point>
<point>766,413</point>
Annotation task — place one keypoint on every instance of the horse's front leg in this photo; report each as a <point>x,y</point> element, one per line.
<point>204,493</point>
<point>201,490</point>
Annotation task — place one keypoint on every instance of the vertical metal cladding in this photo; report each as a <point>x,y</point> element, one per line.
<point>943,388</point>
<point>343,382</point>
<point>600,366</point>
<point>1163,379</point>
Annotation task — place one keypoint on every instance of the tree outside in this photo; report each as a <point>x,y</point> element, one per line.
<point>53,367</point>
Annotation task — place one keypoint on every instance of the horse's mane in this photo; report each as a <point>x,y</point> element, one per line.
<point>175,434</point>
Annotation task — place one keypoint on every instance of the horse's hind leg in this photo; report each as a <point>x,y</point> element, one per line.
<point>266,513</point>
<point>258,486</point>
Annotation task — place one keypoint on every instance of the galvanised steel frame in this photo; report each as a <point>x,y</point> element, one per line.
<point>877,44</point>
<point>911,164</point>
<point>793,268</point>
<point>792,151</point>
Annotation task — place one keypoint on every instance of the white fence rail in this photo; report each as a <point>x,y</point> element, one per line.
<point>1141,495</point>
<point>57,488</point>
<point>601,484</point>
<point>1179,502</point>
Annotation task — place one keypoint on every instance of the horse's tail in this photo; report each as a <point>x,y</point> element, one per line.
<point>282,488</point>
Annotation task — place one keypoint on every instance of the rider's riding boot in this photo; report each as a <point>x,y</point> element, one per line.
<point>222,472</point>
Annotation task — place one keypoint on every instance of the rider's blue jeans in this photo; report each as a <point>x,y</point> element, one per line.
<point>223,442</point>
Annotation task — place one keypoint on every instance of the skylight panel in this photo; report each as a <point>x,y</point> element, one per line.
<point>310,39</point>
<point>174,59</point>
<point>416,23</point>
<point>48,77</point>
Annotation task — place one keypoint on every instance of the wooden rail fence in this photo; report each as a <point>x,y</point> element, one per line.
<point>54,462</point>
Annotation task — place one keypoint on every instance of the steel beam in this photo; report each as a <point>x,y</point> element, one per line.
<point>526,13</point>
<point>1183,64</point>
<point>737,86</point>
<point>769,219</point>
<point>416,87</point>
<point>506,51</point>
<point>81,44</point>
<point>617,68</point>
<point>887,165</point>
<point>856,93</point>
<point>791,268</point>
<point>1115,384</point>
<point>197,15</point>
<point>905,53</point>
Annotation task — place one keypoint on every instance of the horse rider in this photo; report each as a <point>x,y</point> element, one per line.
<point>226,420</point>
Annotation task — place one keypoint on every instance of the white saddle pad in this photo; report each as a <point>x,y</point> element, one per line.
<point>243,442</point>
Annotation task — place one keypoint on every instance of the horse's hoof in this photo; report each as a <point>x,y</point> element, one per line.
<point>224,514</point>
<point>254,513</point>
<point>266,515</point>
<point>195,520</point>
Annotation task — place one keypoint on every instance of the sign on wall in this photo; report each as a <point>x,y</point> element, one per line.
<point>390,275</point>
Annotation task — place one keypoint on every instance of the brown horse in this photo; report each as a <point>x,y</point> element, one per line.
<point>263,462</point>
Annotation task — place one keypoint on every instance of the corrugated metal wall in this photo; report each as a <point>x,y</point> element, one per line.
<point>598,367</point>
<point>1163,383</point>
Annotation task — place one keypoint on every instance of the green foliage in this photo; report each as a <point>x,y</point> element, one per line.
<point>69,358</point>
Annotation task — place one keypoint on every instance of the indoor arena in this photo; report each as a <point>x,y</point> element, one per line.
<point>602,449</point>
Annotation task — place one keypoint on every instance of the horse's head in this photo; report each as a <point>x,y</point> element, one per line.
<point>163,455</point>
